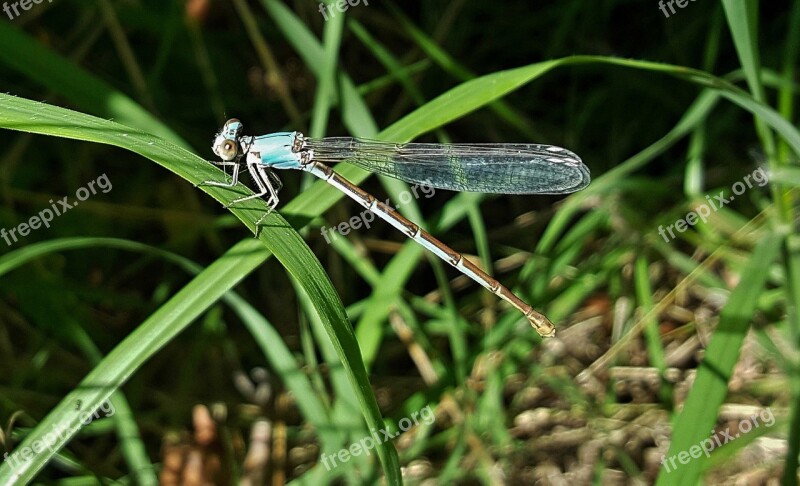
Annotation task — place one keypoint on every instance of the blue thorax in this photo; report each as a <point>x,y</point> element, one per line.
<point>275,150</point>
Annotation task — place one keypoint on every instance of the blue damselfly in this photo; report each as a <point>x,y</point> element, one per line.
<point>488,168</point>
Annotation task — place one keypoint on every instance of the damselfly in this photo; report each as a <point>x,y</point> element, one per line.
<point>489,168</point>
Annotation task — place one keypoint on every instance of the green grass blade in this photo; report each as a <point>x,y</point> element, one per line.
<point>326,80</point>
<point>477,93</point>
<point>655,348</point>
<point>742,18</point>
<point>355,114</point>
<point>711,385</point>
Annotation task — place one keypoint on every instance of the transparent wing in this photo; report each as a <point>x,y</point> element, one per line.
<point>488,168</point>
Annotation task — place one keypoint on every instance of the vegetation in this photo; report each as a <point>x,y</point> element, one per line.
<point>146,335</point>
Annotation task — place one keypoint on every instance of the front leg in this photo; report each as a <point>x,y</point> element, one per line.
<point>234,176</point>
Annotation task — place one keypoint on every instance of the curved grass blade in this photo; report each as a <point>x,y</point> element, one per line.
<point>277,236</point>
<point>478,92</point>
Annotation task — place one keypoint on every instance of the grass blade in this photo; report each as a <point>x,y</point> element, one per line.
<point>711,386</point>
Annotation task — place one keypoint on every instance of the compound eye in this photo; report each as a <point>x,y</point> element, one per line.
<point>227,150</point>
